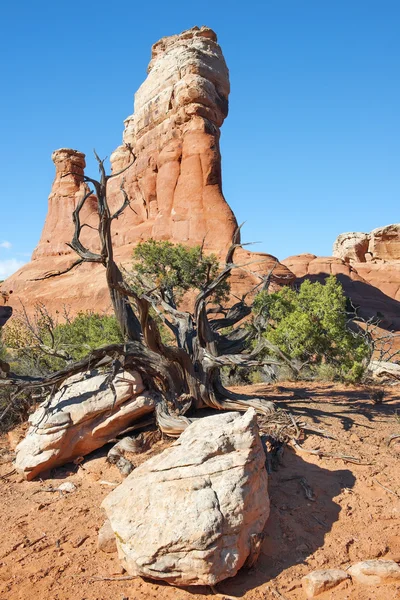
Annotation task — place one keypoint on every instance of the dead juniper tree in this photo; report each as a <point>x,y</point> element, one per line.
<point>180,376</point>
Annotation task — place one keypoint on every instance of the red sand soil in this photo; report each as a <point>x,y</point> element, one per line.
<point>48,546</point>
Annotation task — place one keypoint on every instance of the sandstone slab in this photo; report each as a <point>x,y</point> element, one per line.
<point>317,582</point>
<point>195,513</point>
<point>383,368</point>
<point>375,572</point>
<point>81,417</point>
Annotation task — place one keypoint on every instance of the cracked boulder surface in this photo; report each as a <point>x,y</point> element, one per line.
<point>194,514</point>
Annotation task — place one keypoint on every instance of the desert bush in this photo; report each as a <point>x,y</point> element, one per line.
<point>311,326</point>
<point>176,269</point>
<point>42,343</point>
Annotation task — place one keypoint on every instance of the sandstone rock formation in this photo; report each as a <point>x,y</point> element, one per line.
<point>81,417</point>
<point>383,243</point>
<point>351,246</point>
<point>195,513</point>
<point>375,256</point>
<point>175,184</point>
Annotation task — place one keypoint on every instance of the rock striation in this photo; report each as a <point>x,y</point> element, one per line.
<point>175,184</point>
<point>195,513</point>
<point>81,417</point>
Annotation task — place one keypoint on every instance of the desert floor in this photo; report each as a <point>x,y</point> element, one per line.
<point>48,546</point>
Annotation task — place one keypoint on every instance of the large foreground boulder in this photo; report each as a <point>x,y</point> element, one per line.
<point>82,416</point>
<point>195,513</point>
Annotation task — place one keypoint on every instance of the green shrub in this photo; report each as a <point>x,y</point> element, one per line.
<point>41,344</point>
<point>174,268</point>
<point>311,327</point>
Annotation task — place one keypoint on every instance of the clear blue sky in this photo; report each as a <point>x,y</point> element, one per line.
<point>311,147</point>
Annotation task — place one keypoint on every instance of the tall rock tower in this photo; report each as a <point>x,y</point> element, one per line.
<point>174,185</point>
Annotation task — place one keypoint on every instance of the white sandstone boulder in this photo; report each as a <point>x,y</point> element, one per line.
<point>195,513</point>
<point>83,415</point>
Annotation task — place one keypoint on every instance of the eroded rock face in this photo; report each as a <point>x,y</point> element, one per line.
<point>375,256</point>
<point>82,416</point>
<point>194,514</point>
<point>175,184</point>
<point>385,242</point>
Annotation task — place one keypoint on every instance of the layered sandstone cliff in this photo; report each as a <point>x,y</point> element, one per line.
<point>174,185</point>
<point>382,244</point>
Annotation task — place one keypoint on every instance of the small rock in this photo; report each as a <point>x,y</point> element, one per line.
<point>374,572</point>
<point>106,541</point>
<point>67,486</point>
<point>320,581</point>
<point>118,569</point>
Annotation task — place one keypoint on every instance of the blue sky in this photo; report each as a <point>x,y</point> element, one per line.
<point>311,147</point>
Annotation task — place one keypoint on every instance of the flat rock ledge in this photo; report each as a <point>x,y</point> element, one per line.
<point>194,514</point>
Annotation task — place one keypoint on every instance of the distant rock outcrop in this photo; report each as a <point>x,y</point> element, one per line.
<point>175,184</point>
<point>375,256</point>
<point>352,246</point>
<point>383,243</point>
